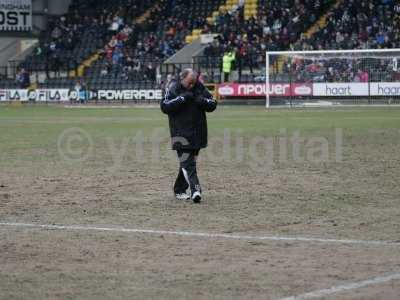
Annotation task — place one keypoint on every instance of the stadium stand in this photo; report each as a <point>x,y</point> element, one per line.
<point>277,26</point>
<point>125,41</point>
<point>351,25</point>
<point>132,57</point>
<point>74,37</point>
<point>354,25</point>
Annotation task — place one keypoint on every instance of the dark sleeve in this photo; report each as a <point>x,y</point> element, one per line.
<point>206,101</point>
<point>172,102</point>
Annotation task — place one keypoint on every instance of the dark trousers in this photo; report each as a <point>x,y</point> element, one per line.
<point>226,76</point>
<point>187,175</point>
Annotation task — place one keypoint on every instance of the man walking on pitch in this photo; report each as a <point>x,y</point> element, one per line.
<point>186,102</point>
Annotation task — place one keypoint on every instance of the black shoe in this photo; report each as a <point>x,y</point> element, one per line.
<point>196,197</point>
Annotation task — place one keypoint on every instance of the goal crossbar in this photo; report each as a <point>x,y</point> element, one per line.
<point>332,51</point>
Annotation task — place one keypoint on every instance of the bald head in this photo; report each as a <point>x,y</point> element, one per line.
<point>188,78</point>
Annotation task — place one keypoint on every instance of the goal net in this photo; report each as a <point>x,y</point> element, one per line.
<point>333,77</point>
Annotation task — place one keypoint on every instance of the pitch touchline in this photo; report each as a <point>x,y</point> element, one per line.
<point>201,234</point>
<point>344,287</point>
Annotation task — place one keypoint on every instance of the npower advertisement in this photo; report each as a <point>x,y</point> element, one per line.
<point>259,89</point>
<point>331,89</point>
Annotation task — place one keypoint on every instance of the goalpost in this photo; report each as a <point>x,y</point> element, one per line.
<point>332,77</point>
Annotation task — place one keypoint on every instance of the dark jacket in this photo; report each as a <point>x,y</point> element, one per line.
<point>187,114</point>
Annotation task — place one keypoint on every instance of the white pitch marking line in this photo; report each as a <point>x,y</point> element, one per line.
<point>202,234</point>
<point>344,287</point>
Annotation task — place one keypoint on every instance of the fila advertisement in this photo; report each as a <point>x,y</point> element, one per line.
<point>66,95</point>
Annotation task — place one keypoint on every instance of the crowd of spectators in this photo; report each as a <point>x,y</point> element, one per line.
<point>352,25</point>
<point>137,49</point>
<point>277,26</point>
<point>281,25</point>
<point>341,69</point>
<point>359,25</point>
<point>131,51</point>
<point>73,37</point>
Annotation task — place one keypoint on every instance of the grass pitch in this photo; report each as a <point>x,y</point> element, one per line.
<point>113,167</point>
